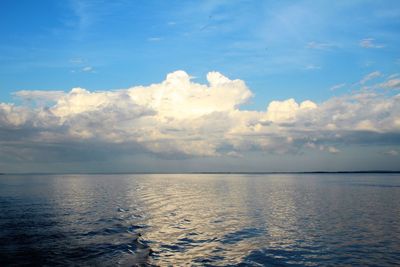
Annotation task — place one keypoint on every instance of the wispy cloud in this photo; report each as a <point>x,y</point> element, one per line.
<point>82,10</point>
<point>394,75</point>
<point>391,84</point>
<point>370,43</point>
<point>320,46</point>
<point>154,39</point>
<point>81,65</point>
<point>84,69</point>
<point>312,67</point>
<point>88,69</point>
<point>88,13</point>
<point>370,76</point>
<point>76,60</point>
<point>337,86</point>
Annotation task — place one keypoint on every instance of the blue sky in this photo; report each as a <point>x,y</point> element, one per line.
<point>339,62</point>
<point>281,49</point>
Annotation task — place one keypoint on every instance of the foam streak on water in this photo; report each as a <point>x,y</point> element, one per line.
<point>193,219</point>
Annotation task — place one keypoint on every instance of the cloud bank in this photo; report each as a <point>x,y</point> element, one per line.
<point>179,118</point>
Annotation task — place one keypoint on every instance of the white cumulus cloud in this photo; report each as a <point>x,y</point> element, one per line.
<point>181,118</point>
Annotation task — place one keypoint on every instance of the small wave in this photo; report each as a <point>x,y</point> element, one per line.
<point>240,235</point>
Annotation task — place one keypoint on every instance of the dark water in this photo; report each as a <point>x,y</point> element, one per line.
<point>205,220</point>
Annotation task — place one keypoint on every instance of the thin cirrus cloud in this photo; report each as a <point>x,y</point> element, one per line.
<point>320,46</point>
<point>391,84</point>
<point>370,43</point>
<point>88,69</point>
<point>337,86</point>
<point>154,39</point>
<point>370,76</point>
<point>181,118</point>
<point>312,67</point>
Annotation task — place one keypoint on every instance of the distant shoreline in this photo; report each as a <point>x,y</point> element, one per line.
<point>250,173</point>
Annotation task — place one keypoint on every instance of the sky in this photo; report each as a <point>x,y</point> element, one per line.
<point>177,86</point>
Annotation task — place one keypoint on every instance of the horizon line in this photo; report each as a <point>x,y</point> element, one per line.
<point>206,172</point>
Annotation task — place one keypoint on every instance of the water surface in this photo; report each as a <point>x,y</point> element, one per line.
<point>200,219</point>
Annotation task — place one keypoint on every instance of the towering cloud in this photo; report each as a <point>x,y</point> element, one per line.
<point>181,118</point>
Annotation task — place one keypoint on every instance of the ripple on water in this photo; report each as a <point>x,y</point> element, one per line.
<point>203,220</point>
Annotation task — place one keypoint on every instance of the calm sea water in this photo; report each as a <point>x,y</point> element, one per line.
<point>205,220</point>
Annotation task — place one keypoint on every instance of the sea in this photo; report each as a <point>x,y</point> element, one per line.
<point>200,220</point>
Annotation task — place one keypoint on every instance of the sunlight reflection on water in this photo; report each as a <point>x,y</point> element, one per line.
<point>192,219</point>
